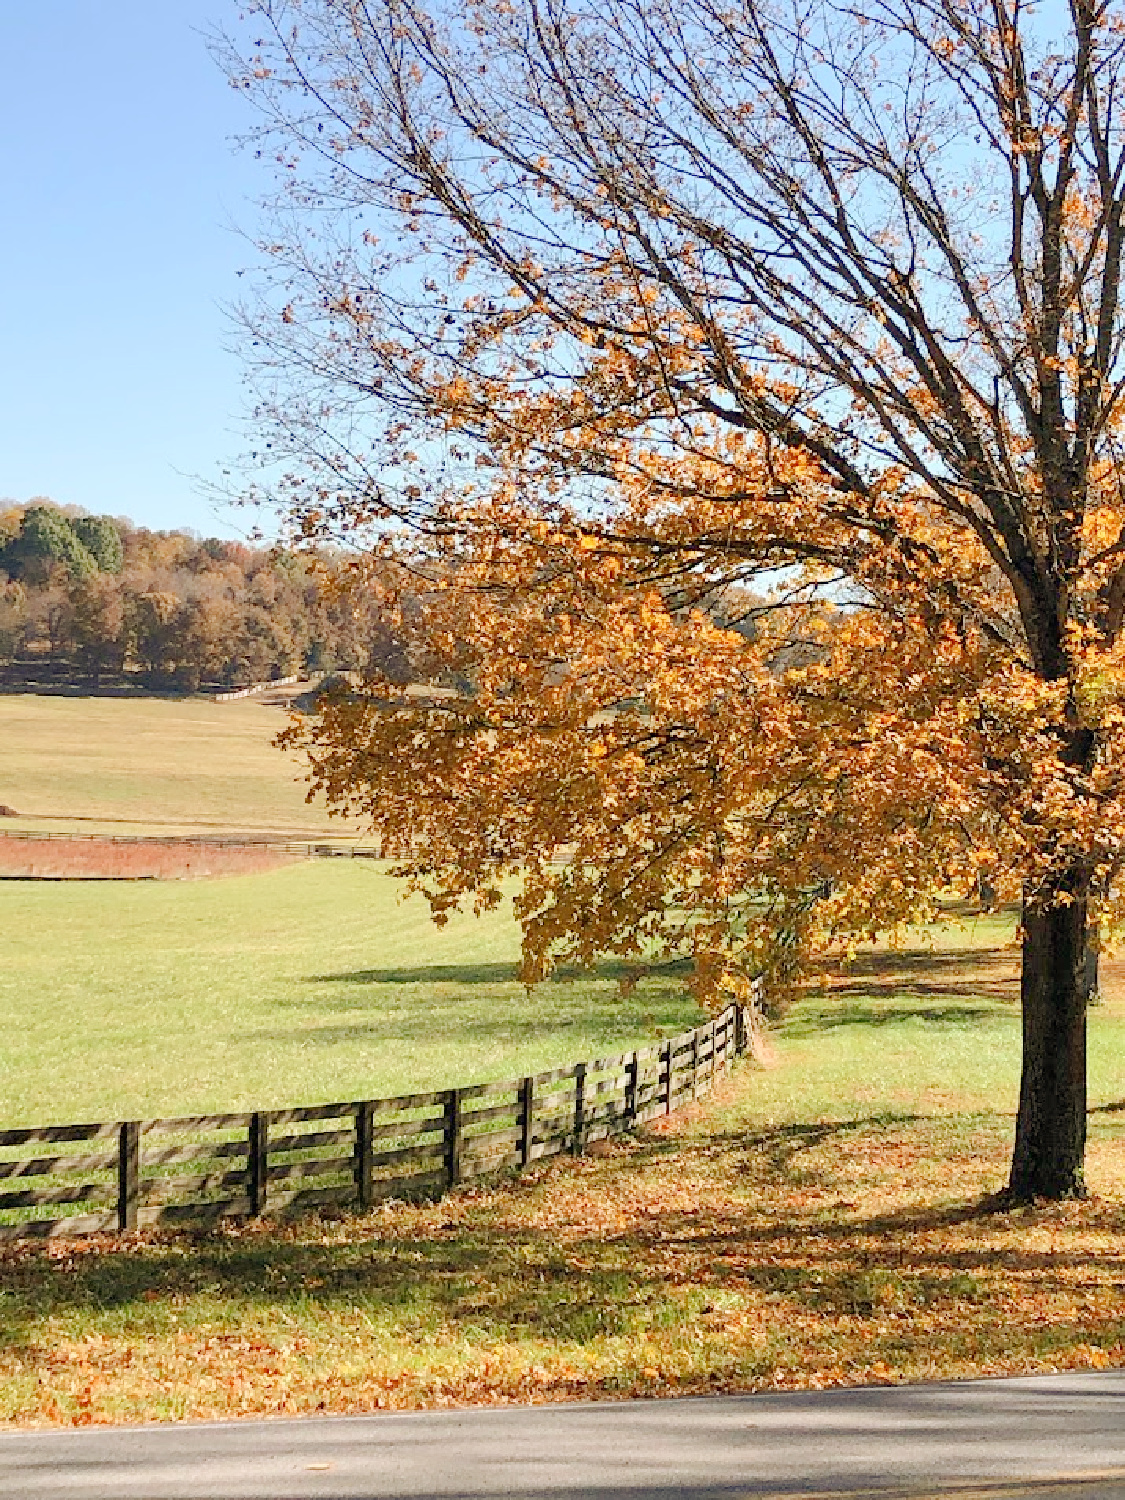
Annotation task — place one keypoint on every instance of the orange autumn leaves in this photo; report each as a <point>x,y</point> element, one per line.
<point>673,762</point>
<point>834,322</point>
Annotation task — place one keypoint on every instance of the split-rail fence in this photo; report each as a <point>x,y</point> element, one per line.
<point>134,1173</point>
<point>255,687</point>
<point>305,848</point>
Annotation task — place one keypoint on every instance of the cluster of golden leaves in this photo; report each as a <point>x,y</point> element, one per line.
<point>672,762</point>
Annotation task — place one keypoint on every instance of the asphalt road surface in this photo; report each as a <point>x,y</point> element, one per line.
<point>1049,1438</point>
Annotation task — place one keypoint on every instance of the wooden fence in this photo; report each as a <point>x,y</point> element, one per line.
<point>305,847</point>
<point>255,687</point>
<point>68,1180</point>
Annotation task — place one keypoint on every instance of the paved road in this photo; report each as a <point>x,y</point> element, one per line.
<point>1051,1438</point>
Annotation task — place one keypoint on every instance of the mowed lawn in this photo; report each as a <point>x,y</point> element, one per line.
<point>151,765</point>
<point>313,982</point>
<point>824,1220</point>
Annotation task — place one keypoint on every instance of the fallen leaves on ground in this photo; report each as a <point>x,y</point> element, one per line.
<point>720,1253</point>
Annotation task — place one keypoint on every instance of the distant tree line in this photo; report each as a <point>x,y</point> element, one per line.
<point>102,598</point>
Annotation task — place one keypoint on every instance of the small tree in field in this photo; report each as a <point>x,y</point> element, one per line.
<point>647,321</point>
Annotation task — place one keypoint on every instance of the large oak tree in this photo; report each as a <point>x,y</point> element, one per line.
<point>745,382</point>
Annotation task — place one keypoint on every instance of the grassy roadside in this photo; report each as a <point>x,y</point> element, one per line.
<point>818,1223</point>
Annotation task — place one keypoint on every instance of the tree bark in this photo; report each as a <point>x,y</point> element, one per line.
<point>1051,1126</point>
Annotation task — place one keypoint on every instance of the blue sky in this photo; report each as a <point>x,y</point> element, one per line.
<point>119,189</point>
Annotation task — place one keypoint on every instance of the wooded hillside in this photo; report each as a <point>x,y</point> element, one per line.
<point>97,598</point>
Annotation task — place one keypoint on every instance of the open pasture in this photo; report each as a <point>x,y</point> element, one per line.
<point>823,1221</point>
<point>307,983</point>
<point>152,766</point>
<point>267,988</point>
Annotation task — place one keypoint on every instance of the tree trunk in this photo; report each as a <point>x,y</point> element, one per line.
<point>1051,1126</point>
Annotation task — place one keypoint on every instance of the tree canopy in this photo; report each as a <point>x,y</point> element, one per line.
<point>626,323</point>
<point>47,540</point>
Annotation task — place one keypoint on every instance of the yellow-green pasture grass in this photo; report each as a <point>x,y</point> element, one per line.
<point>151,765</point>
<point>823,1221</point>
<point>313,982</point>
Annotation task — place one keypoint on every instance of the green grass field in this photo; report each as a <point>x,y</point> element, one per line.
<point>311,982</point>
<point>822,1221</point>
<point>151,765</point>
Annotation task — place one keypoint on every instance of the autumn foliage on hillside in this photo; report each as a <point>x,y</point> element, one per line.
<point>91,598</point>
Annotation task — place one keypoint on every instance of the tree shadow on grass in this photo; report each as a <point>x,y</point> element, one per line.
<point>482,1274</point>
<point>396,1005</point>
<point>467,1012</point>
<point>507,1281</point>
<point>975,974</point>
<point>613,970</point>
<point>483,973</point>
<point>832,1015</point>
<point>779,1156</point>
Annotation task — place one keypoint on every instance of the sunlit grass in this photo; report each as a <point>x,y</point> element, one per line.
<point>150,765</point>
<point>823,1221</point>
<point>310,983</point>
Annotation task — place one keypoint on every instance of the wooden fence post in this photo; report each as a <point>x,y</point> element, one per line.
<point>632,1076</point>
<point>364,1117</point>
<point>527,1119</point>
<point>695,1063</point>
<point>714,1059</point>
<point>259,1161</point>
<point>579,1108</point>
<point>128,1174</point>
<point>453,1135</point>
<point>666,1065</point>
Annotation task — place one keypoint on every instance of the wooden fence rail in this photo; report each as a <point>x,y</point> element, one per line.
<point>307,848</point>
<point>69,1180</point>
<point>255,687</point>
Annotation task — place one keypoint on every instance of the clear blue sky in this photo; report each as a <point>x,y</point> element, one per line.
<point>119,188</point>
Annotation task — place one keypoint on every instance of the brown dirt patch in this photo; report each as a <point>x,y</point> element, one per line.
<point>103,859</point>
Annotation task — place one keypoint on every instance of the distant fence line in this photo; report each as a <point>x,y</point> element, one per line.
<point>136,1173</point>
<point>256,687</point>
<point>311,849</point>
